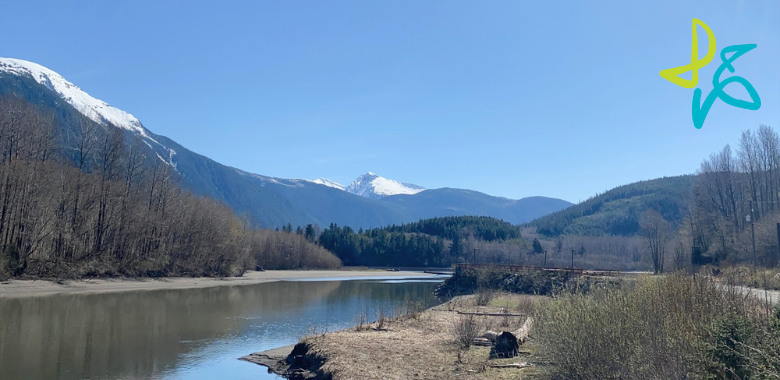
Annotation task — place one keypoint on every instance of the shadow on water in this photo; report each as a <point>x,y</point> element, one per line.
<point>193,333</point>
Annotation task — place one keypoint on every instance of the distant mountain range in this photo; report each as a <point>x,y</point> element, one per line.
<point>369,201</point>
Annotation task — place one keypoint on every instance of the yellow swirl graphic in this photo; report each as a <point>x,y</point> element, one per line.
<point>672,75</point>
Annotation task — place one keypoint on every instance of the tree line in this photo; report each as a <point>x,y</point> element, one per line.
<point>451,227</point>
<point>428,243</point>
<point>731,213</point>
<point>737,188</point>
<point>86,200</point>
<point>726,214</point>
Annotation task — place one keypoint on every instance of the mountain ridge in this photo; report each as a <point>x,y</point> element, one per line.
<point>618,211</point>
<point>267,200</point>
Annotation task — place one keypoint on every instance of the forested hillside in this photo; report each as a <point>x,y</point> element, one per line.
<point>707,218</point>
<point>103,208</point>
<point>432,242</point>
<point>619,211</point>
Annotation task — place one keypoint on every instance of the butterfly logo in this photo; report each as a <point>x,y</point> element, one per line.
<point>700,110</point>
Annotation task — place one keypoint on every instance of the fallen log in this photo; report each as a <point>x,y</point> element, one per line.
<point>484,342</point>
<point>513,365</point>
<point>491,314</point>
<point>522,333</point>
<point>492,335</point>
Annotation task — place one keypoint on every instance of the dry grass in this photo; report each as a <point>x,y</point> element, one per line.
<point>420,345</point>
<point>670,327</point>
<point>762,278</point>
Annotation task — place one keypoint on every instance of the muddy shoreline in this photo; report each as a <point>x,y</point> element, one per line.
<point>274,359</point>
<point>37,288</point>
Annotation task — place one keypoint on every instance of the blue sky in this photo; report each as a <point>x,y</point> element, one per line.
<point>512,98</point>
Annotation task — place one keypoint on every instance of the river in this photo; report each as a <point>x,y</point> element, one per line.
<point>183,334</point>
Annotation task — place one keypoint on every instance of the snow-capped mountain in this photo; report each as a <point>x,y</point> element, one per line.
<point>95,109</point>
<point>372,186</point>
<point>370,201</point>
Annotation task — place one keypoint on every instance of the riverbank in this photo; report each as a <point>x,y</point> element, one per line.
<point>430,344</point>
<point>413,345</point>
<point>34,288</point>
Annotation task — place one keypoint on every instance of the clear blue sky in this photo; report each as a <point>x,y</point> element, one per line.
<point>512,98</point>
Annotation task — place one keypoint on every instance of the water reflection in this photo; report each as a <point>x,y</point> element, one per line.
<point>195,333</point>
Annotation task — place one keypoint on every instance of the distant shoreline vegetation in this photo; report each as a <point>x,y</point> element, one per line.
<point>432,242</point>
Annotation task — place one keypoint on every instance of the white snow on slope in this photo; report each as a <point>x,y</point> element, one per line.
<point>329,183</point>
<point>370,185</point>
<point>95,109</point>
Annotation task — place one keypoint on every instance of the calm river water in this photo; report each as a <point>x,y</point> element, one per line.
<point>181,334</point>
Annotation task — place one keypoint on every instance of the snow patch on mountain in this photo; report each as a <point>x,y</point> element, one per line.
<point>370,185</point>
<point>95,109</point>
<point>329,183</point>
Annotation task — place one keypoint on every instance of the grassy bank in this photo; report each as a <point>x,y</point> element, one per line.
<point>740,275</point>
<point>673,327</point>
<point>414,344</point>
<point>653,327</point>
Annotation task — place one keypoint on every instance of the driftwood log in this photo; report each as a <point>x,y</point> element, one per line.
<point>490,335</point>
<point>484,342</point>
<point>513,365</point>
<point>491,314</point>
<point>525,329</point>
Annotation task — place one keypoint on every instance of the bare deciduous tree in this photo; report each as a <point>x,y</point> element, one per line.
<point>100,207</point>
<point>657,232</point>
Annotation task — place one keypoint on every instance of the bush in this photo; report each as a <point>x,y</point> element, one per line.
<point>465,329</point>
<point>728,351</point>
<point>484,296</point>
<point>673,327</point>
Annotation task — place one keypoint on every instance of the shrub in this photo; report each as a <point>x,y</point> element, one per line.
<point>672,327</point>
<point>465,329</point>
<point>484,296</point>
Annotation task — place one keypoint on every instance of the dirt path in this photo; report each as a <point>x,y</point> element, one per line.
<point>32,288</point>
<point>772,295</point>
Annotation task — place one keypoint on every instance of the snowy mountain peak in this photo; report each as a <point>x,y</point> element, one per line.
<point>329,183</point>
<point>370,185</point>
<point>95,109</point>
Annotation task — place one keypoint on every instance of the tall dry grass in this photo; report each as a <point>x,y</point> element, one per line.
<point>673,327</point>
<point>761,278</point>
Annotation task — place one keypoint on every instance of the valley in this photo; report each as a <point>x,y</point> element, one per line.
<point>381,190</point>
